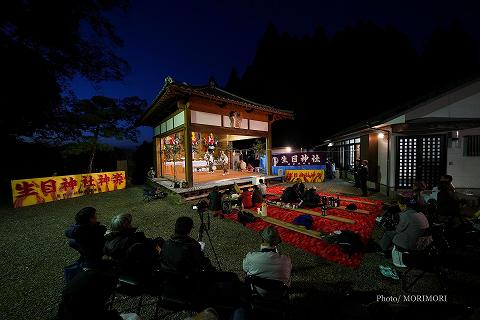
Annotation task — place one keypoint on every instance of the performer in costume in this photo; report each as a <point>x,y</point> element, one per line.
<point>224,162</point>
<point>210,163</point>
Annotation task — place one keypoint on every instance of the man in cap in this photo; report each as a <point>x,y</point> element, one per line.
<point>268,262</point>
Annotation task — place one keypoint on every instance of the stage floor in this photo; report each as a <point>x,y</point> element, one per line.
<point>217,175</point>
<point>205,180</point>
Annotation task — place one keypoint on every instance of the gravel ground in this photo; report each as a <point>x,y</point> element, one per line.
<point>33,252</point>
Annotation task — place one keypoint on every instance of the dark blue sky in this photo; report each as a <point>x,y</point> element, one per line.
<point>191,40</point>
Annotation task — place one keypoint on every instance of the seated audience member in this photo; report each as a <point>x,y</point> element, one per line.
<point>448,205</point>
<point>226,202</point>
<point>290,195</point>
<point>446,181</point>
<point>85,297</point>
<point>183,254</point>
<point>391,216</point>
<point>418,194</point>
<point>268,263</point>
<point>412,232</point>
<point>87,236</point>
<point>132,250</point>
<point>311,199</point>
<point>257,196</point>
<point>246,198</point>
<point>215,201</point>
<point>250,167</point>
<point>263,187</point>
<point>299,187</point>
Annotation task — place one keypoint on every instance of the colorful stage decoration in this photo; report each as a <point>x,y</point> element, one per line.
<point>195,141</point>
<point>210,142</point>
<point>305,175</point>
<point>298,158</point>
<point>27,192</point>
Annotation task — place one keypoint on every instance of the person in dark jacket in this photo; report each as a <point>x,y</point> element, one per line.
<point>289,195</point>
<point>86,295</point>
<point>215,201</point>
<point>299,187</point>
<point>87,236</point>
<point>356,168</point>
<point>257,196</point>
<point>363,177</point>
<point>183,254</point>
<point>311,199</point>
<point>132,251</point>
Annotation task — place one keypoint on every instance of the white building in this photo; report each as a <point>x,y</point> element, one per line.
<point>421,142</point>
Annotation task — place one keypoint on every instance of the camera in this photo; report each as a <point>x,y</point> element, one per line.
<point>201,206</point>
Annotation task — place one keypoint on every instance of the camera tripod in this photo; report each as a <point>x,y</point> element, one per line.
<point>204,228</point>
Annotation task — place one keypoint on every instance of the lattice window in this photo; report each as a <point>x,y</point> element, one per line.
<point>420,158</point>
<point>431,161</point>
<point>407,162</point>
<point>471,146</point>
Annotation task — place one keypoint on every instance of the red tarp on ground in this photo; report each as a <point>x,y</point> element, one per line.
<point>364,226</point>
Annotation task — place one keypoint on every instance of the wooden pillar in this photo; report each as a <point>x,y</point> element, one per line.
<point>188,146</point>
<point>157,156</point>
<point>268,147</point>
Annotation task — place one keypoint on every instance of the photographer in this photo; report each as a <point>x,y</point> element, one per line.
<point>182,253</point>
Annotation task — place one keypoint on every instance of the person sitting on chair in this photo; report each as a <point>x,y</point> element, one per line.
<point>268,263</point>
<point>412,232</point>
<point>134,253</point>
<point>87,236</point>
<point>311,199</point>
<point>183,254</point>
<point>86,295</point>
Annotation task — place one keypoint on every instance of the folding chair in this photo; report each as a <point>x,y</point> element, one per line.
<point>268,297</point>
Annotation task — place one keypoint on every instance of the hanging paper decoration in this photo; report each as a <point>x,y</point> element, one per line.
<point>210,142</point>
<point>195,141</point>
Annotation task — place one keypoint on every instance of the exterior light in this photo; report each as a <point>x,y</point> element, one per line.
<point>330,144</point>
<point>381,135</point>
<point>289,149</point>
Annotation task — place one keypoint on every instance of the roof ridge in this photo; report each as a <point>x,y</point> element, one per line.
<point>250,101</point>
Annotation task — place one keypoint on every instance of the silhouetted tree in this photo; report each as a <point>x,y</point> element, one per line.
<point>233,82</point>
<point>43,45</point>
<point>102,117</point>
<point>360,72</point>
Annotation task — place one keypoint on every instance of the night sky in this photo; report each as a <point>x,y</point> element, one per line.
<point>192,40</point>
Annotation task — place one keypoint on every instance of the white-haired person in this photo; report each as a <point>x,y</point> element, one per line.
<point>133,252</point>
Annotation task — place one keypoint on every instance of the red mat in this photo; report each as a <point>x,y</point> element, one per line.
<point>364,225</point>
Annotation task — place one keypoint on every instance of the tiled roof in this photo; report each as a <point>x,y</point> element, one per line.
<point>368,124</point>
<point>172,89</point>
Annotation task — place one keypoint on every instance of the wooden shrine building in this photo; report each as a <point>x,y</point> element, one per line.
<point>192,122</point>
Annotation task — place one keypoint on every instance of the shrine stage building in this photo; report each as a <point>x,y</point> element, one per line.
<point>194,124</point>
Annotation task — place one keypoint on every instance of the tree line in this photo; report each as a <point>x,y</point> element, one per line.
<point>334,82</point>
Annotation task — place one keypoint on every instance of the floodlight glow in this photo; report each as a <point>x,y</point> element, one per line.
<point>381,135</point>
<point>289,149</point>
<point>330,144</point>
